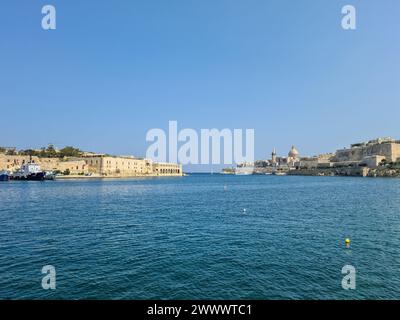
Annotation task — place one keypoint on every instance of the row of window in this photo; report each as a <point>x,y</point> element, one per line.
<point>168,170</point>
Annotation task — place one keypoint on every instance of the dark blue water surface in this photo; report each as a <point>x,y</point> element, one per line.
<point>189,238</point>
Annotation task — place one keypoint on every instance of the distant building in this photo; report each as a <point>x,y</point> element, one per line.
<point>293,157</point>
<point>8,149</point>
<point>320,161</point>
<point>102,165</point>
<point>369,153</point>
<point>277,163</point>
<point>167,169</point>
<point>130,166</point>
<point>273,157</point>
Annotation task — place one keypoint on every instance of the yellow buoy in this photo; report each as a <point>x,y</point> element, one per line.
<point>347,242</point>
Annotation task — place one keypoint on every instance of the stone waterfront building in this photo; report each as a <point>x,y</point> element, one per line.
<point>166,169</point>
<point>130,166</point>
<point>94,164</point>
<point>369,154</point>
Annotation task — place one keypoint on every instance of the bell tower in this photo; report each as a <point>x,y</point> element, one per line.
<point>273,157</point>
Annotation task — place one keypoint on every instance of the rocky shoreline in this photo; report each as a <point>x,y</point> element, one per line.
<point>352,172</point>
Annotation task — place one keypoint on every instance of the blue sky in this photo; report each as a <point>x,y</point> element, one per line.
<point>115,69</point>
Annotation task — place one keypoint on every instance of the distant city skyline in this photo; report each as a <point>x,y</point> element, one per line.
<point>273,151</point>
<point>111,72</point>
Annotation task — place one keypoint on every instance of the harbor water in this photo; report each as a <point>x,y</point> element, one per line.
<point>201,237</point>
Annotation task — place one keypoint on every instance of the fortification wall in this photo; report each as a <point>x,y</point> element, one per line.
<point>388,150</point>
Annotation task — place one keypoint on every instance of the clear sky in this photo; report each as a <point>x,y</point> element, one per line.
<point>112,70</point>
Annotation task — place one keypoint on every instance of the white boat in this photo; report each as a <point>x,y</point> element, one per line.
<point>49,175</point>
<point>29,171</point>
<point>277,173</point>
<point>244,171</point>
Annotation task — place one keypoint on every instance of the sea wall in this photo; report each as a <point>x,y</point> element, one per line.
<point>354,172</point>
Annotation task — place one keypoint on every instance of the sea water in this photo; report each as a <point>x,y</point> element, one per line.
<point>201,237</point>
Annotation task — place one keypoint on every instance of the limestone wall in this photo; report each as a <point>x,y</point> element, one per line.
<point>122,166</point>
<point>391,151</point>
<point>13,163</point>
<point>396,152</point>
<point>73,166</point>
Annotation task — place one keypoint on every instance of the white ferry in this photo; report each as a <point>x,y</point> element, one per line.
<point>244,169</point>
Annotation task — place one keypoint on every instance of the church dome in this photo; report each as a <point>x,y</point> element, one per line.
<point>293,153</point>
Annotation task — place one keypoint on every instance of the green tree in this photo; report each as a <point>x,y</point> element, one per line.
<point>69,151</point>
<point>51,152</point>
<point>28,152</point>
<point>42,152</point>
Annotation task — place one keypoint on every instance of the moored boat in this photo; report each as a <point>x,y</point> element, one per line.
<point>244,171</point>
<point>29,171</point>
<point>4,176</point>
<point>49,175</point>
